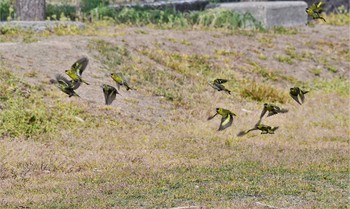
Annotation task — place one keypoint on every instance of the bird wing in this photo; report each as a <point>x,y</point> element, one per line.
<point>302,97</point>
<point>63,82</point>
<point>220,81</point>
<point>75,84</point>
<point>213,86</point>
<point>111,96</point>
<point>225,122</point>
<point>319,7</point>
<point>313,7</point>
<point>110,93</point>
<point>263,112</point>
<point>221,87</point>
<point>80,65</point>
<point>295,98</point>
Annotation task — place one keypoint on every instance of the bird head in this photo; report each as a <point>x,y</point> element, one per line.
<point>53,81</point>
<point>265,104</point>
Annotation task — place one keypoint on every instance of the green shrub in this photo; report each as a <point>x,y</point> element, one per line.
<point>88,5</point>
<point>55,10</point>
<point>6,10</point>
<point>221,18</point>
<point>215,18</point>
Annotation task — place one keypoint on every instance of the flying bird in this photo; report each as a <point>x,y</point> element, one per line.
<point>121,80</point>
<point>315,11</point>
<point>272,109</point>
<point>265,129</point>
<point>77,69</point>
<point>297,93</point>
<point>217,84</point>
<point>64,85</point>
<point>226,120</point>
<point>109,92</point>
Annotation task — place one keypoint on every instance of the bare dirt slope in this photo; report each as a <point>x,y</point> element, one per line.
<point>153,147</point>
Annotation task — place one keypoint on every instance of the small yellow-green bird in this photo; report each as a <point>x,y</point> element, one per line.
<point>263,128</point>
<point>315,11</point>
<point>296,92</point>
<point>64,85</point>
<point>227,118</point>
<point>110,93</point>
<point>217,84</point>
<point>273,110</point>
<point>77,69</point>
<point>121,80</point>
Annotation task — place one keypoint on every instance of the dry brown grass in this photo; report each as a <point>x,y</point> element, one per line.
<point>154,147</point>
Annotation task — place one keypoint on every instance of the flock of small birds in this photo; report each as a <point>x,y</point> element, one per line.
<point>296,93</point>
<point>76,72</point>
<point>227,116</point>
<point>110,92</point>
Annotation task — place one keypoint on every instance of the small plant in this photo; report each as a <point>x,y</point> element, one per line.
<point>284,59</point>
<point>262,56</point>
<point>331,68</point>
<point>316,71</point>
<point>267,42</point>
<point>284,30</point>
<point>263,93</point>
<point>110,54</point>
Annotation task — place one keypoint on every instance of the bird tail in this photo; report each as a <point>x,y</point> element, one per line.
<point>211,117</point>
<point>53,81</point>
<point>74,94</point>
<point>129,88</point>
<point>274,128</point>
<point>242,133</point>
<point>304,92</point>
<point>85,82</point>
<point>228,91</point>
<point>323,19</point>
<point>283,110</point>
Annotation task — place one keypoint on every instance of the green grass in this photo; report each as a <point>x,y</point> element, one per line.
<point>26,114</point>
<point>337,84</point>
